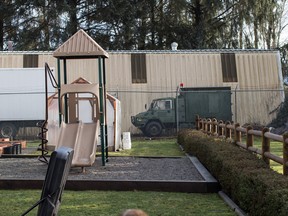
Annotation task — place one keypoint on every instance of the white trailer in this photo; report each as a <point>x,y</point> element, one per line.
<point>22,98</point>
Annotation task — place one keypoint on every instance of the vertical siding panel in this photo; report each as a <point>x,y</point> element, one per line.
<point>12,61</point>
<point>173,61</point>
<point>175,68</point>
<point>166,74</point>
<point>206,70</point>
<point>200,70</point>
<point>242,65</point>
<point>193,77</point>
<point>255,73</point>
<point>179,75</point>
<point>117,81</point>
<point>186,70</point>
<point>47,58</point>
<point>212,70</point>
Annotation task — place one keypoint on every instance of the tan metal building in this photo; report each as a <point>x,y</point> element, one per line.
<point>137,77</point>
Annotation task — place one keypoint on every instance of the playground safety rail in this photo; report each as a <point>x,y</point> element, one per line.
<point>234,132</point>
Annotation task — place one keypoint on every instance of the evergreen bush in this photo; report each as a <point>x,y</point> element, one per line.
<point>246,178</point>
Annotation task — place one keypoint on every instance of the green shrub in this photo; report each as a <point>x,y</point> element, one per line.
<point>250,182</point>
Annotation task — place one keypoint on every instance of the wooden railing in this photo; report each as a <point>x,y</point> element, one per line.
<point>234,132</point>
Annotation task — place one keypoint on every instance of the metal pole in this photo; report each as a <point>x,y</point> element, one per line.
<point>102,128</point>
<point>105,111</point>
<point>177,117</point>
<point>65,97</point>
<point>59,90</point>
<point>235,104</point>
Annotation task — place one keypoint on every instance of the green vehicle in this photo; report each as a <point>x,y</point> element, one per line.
<point>180,112</point>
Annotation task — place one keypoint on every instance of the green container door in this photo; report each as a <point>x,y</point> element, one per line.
<point>207,103</point>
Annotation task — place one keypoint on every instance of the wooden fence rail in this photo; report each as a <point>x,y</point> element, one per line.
<point>234,132</point>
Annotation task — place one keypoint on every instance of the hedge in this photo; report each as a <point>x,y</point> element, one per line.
<point>249,182</point>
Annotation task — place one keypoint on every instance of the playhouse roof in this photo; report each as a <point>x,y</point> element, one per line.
<point>80,45</point>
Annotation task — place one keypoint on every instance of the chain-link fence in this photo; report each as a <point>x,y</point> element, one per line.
<point>154,113</point>
<point>171,111</point>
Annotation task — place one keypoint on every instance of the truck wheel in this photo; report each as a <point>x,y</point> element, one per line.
<point>153,129</point>
<point>8,130</point>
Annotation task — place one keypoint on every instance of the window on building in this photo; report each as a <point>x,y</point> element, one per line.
<point>138,68</point>
<point>229,71</point>
<point>30,61</point>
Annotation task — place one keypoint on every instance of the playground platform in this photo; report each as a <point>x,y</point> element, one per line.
<point>170,174</point>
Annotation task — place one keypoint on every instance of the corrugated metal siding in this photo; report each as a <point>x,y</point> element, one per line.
<point>119,83</point>
<point>11,61</point>
<point>256,106</point>
<point>47,58</point>
<point>257,71</point>
<point>165,70</point>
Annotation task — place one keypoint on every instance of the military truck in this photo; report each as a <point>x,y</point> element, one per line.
<point>180,112</point>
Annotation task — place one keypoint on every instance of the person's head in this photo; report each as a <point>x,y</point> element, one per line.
<point>134,212</point>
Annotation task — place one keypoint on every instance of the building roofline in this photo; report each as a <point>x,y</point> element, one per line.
<point>155,51</point>
<point>195,51</point>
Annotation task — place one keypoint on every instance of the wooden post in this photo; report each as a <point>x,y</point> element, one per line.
<point>285,153</point>
<point>227,130</point>
<point>209,126</point>
<point>250,137</point>
<point>214,126</point>
<point>205,125</point>
<point>265,145</point>
<point>197,122</point>
<point>220,129</point>
<point>237,133</point>
<point>200,124</point>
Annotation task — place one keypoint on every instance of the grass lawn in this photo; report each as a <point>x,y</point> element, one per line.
<point>275,148</point>
<point>15,202</point>
<point>112,203</point>
<point>33,143</point>
<point>141,147</point>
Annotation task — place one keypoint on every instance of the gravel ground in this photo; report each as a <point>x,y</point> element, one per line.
<point>118,168</point>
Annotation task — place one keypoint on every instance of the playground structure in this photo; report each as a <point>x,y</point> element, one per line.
<point>74,133</point>
<point>79,117</point>
<point>84,113</point>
